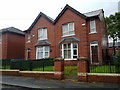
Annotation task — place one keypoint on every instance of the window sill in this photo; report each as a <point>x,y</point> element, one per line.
<point>28,42</point>
<point>92,32</point>
<point>70,59</point>
<point>68,35</point>
<point>42,39</point>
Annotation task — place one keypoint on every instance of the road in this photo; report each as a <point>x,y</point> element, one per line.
<point>38,83</point>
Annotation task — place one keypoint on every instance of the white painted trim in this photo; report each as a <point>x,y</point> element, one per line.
<point>68,35</point>
<point>92,32</point>
<point>35,72</point>
<point>7,70</point>
<point>103,74</point>
<point>82,74</point>
<point>70,59</point>
<point>58,73</point>
<point>98,74</point>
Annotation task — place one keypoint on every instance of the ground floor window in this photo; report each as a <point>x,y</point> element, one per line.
<point>42,52</point>
<point>69,51</point>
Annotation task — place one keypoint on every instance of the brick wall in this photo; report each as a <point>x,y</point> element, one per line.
<point>81,32</point>
<point>42,23</point>
<point>12,46</point>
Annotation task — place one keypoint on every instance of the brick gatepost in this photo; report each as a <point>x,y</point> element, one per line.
<point>59,68</point>
<point>83,69</point>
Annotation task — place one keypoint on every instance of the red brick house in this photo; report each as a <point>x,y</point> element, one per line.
<point>12,43</point>
<point>70,36</point>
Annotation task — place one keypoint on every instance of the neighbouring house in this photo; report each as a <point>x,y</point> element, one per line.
<point>12,43</point>
<point>71,35</point>
<point>111,49</point>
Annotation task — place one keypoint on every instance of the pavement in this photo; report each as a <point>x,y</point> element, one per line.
<point>40,83</point>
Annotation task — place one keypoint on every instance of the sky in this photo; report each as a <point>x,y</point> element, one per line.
<point>21,13</point>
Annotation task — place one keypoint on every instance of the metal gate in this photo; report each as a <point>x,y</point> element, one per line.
<point>70,70</point>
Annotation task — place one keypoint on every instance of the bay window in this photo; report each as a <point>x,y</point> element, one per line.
<point>69,51</point>
<point>42,52</point>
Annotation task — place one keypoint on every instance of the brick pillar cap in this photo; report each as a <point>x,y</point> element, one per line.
<point>58,59</point>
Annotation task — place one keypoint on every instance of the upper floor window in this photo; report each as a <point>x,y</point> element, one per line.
<point>42,34</point>
<point>92,26</point>
<point>68,29</point>
<point>28,37</point>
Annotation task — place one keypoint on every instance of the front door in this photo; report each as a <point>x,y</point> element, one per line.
<point>94,53</point>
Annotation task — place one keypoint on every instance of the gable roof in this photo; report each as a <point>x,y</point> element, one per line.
<point>70,8</point>
<point>93,13</point>
<point>37,18</point>
<point>12,30</point>
<point>84,15</point>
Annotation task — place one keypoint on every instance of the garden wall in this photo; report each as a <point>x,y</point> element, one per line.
<point>107,78</point>
<point>34,74</point>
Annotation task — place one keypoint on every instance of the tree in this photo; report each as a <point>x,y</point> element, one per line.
<point>113,24</point>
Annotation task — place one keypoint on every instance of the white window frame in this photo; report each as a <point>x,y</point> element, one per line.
<point>68,30</point>
<point>43,34</point>
<point>71,49</point>
<point>92,26</point>
<point>96,44</point>
<point>43,51</point>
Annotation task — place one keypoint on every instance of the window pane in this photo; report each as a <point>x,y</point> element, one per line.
<point>44,33</point>
<point>71,32</point>
<point>41,55</point>
<point>69,45</point>
<point>71,27</point>
<point>38,55</point>
<point>40,49</point>
<point>74,45</point>
<point>69,53</point>
<point>74,52</point>
<point>65,53</point>
<point>46,48</point>
<point>40,32</point>
<point>74,56</point>
<point>65,28</point>
<point>65,46</point>
<point>46,55</point>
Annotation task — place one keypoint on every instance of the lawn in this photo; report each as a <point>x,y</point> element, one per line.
<point>47,68</point>
<point>6,67</point>
<point>73,69</point>
<point>103,69</point>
